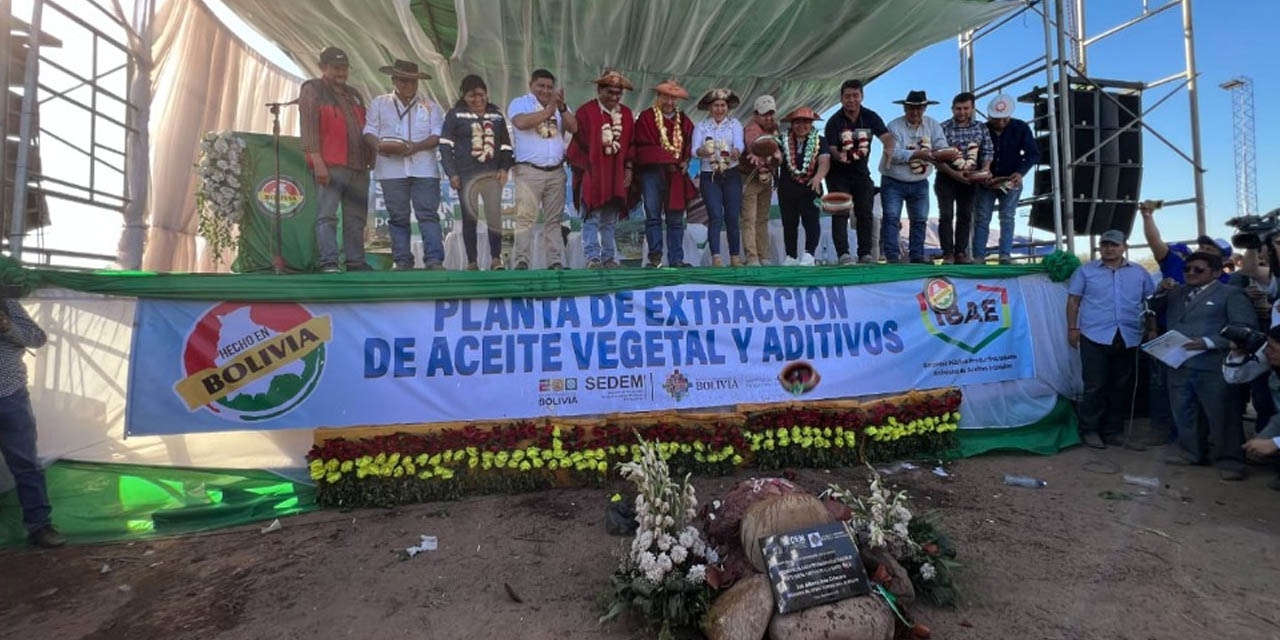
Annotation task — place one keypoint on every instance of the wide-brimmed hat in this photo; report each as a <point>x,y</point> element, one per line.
<point>1001,106</point>
<point>403,69</point>
<point>612,78</point>
<point>671,88</point>
<point>719,94</point>
<point>916,98</point>
<point>801,113</point>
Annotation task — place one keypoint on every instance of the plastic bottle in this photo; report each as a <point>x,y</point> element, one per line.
<point>1142,481</point>
<point>1024,481</point>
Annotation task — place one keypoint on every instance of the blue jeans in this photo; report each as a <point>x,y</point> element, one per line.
<point>597,233</point>
<point>424,193</point>
<point>983,204</point>
<point>723,197</point>
<point>916,195</point>
<point>18,444</point>
<point>350,188</point>
<point>653,186</point>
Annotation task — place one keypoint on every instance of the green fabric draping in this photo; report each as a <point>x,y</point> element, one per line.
<point>1047,436</point>
<point>799,50</point>
<point>381,286</point>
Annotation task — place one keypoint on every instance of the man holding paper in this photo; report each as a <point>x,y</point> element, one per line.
<point>1104,321</point>
<point>1199,310</point>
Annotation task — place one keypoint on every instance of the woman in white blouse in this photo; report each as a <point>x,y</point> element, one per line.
<point>718,141</point>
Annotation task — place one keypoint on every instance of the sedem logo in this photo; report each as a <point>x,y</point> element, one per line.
<point>248,362</point>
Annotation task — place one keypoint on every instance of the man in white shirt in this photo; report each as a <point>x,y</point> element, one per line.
<point>540,120</point>
<point>405,129</point>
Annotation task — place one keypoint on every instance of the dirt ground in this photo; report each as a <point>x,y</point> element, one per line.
<point>1197,559</point>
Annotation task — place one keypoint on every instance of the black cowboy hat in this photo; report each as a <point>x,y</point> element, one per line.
<point>916,98</point>
<point>404,69</point>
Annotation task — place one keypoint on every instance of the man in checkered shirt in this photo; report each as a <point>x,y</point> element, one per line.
<point>18,423</point>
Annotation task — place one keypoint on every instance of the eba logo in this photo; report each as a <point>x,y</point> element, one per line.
<point>248,362</point>
<point>948,318</point>
<point>291,196</point>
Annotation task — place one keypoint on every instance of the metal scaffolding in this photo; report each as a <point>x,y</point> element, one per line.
<point>1064,65</point>
<point>1241,89</point>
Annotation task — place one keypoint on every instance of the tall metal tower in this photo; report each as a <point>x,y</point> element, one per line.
<point>1241,88</point>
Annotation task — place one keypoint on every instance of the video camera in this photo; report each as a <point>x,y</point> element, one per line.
<point>1246,339</point>
<point>1252,232</point>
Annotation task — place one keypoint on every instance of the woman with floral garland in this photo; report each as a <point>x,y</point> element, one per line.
<point>805,161</point>
<point>719,144</point>
<point>662,148</point>
<point>475,151</point>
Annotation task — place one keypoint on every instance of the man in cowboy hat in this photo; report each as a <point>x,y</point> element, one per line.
<point>757,188</point>
<point>331,115</point>
<point>601,155</point>
<point>540,121</point>
<point>662,139</point>
<point>718,140</point>
<point>1015,153</point>
<point>904,176</point>
<point>404,128</point>
<point>848,135</point>
<point>805,162</point>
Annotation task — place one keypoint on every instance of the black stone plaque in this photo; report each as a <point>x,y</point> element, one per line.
<point>814,566</point>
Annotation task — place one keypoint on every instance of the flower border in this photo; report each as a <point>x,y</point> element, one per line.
<point>406,468</point>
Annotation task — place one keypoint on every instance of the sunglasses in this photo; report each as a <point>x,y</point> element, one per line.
<point>1197,269</point>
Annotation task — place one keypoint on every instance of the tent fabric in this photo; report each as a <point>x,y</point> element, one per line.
<point>798,51</point>
<point>204,79</point>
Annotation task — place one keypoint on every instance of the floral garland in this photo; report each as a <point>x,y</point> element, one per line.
<point>801,173</point>
<point>221,196</point>
<point>675,144</point>
<point>548,128</point>
<point>524,456</point>
<point>482,141</point>
<point>611,132</point>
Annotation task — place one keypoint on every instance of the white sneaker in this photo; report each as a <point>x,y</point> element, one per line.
<point>806,260</point>
<point>790,262</point>
<point>753,262</point>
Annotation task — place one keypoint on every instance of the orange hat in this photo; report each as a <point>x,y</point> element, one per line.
<point>801,113</point>
<point>611,78</point>
<point>670,88</point>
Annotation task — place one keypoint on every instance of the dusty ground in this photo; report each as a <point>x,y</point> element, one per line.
<point>1198,560</point>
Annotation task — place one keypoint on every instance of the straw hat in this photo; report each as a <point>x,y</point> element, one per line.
<point>801,113</point>
<point>611,78</point>
<point>719,94</point>
<point>671,88</point>
<point>403,69</point>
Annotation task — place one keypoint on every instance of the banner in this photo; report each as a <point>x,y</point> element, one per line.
<point>231,366</point>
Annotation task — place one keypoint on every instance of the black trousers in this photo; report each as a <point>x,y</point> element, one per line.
<point>864,196</point>
<point>955,201</point>
<point>795,202</point>
<point>1108,385</point>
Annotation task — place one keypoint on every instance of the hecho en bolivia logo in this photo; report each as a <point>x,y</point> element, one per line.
<point>944,313</point>
<point>248,362</point>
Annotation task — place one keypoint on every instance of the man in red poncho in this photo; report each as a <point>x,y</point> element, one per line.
<point>662,149</point>
<point>601,155</point>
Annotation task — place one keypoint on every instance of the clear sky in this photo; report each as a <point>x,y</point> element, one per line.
<point>1232,38</point>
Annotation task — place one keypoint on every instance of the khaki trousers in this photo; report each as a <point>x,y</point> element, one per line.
<point>536,187</point>
<point>755,217</point>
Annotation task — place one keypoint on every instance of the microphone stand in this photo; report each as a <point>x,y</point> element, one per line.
<point>277,259</point>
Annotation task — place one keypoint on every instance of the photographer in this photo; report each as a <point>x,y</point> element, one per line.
<point>1200,309</point>
<point>18,423</point>
<point>1247,363</point>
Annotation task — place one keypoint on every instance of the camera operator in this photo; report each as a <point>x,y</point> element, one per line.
<point>1200,309</point>
<point>1260,364</point>
<point>18,423</point>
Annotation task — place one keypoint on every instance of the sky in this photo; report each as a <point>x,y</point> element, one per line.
<point>1232,39</point>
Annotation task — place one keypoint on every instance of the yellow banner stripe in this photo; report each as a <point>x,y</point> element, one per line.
<point>208,385</point>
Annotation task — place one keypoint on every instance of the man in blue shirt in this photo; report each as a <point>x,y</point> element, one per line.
<point>1015,154</point>
<point>1104,321</point>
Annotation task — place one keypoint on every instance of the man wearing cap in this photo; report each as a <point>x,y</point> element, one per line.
<point>1200,309</point>
<point>663,144</point>
<point>332,118</point>
<point>757,187</point>
<point>540,121</point>
<point>1105,322</point>
<point>848,136</point>
<point>905,176</point>
<point>954,185</point>
<point>718,140</point>
<point>806,161</point>
<point>1015,154</point>
<point>405,129</point>
<point>601,155</point>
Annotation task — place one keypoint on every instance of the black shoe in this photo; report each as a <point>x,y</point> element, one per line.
<point>359,267</point>
<point>1093,440</point>
<point>434,266</point>
<point>684,265</point>
<point>655,261</point>
<point>522,266</point>
<point>46,537</point>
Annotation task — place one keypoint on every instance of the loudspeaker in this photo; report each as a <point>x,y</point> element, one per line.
<point>1107,173</point>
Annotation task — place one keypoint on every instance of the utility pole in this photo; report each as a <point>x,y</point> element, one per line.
<point>1241,88</point>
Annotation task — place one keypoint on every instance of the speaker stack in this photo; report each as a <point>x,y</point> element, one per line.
<point>1107,172</point>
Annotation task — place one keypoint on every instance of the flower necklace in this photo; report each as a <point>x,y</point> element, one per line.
<point>810,152</point>
<point>482,145</point>
<point>611,132</point>
<point>675,144</point>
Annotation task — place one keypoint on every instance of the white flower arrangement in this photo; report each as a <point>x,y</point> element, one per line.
<point>881,520</point>
<point>666,544</point>
<point>221,196</point>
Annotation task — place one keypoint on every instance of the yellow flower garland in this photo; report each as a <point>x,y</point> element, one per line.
<point>674,145</point>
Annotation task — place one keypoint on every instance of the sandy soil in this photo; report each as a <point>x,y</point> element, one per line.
<point>1198,559</point>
